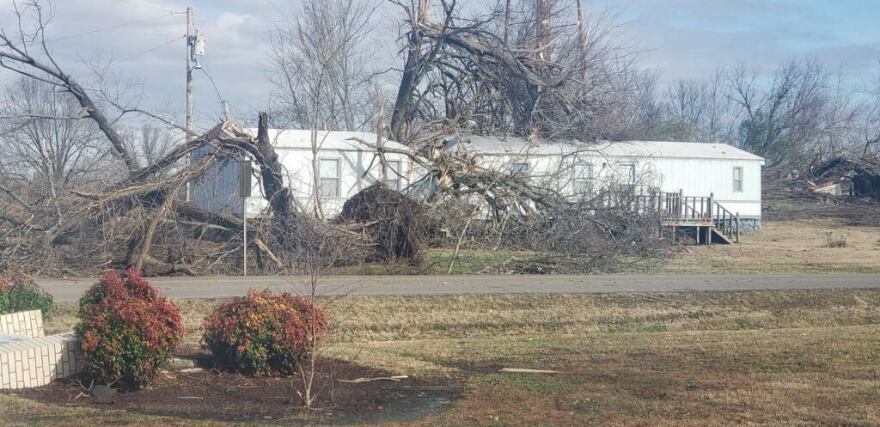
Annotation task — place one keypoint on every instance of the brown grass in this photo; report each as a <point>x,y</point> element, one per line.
<point>812,246</point>
<point>763,357</point>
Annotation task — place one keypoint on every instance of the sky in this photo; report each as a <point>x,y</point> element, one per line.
<point>679,39</point>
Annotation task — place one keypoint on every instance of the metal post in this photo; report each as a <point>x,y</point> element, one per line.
<point>710,217</point>
<point>190,42</point>
<point>737,227</point>
<point>244,229</point>
<point>244,191</point>
<point>679,208</point>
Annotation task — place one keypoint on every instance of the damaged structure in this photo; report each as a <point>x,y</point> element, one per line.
<point>698,180</point>
<point>336,166</point>
<point>840,176</point>
<point>730,176</point>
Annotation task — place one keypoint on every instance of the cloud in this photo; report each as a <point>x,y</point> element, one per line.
<point>680,38</point>
<point>692,38</point>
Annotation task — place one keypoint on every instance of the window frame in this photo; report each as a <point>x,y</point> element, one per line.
<point>629,184</point>
<point>738,182</point>
<point>393,174</point>
<point>582,185</point>
<point>322,178</point>
<point>514,166</point>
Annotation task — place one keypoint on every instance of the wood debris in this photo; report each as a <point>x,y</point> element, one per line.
<point>527,371</point>
<point>369,380</point>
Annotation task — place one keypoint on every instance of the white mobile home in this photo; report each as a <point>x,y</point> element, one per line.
<point>731,175</point>
<point>341,165</point>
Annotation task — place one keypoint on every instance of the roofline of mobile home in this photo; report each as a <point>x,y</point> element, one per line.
<point>760,159</point>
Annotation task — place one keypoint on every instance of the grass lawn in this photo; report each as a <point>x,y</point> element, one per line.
<point>795,246</point>
<point>786,246</point>
<point>781,357</point>
<point>437,260</point>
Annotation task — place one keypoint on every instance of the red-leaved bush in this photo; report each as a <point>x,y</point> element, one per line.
<point>264,333</point>
<point>127,331</point>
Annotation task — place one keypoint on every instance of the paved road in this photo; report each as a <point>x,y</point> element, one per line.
<point>217,287</point>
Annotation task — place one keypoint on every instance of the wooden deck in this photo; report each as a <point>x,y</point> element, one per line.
<point>698,217</point>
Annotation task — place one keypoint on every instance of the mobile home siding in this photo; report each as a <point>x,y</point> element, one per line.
<point>693,169</point>
<point>692,176</point>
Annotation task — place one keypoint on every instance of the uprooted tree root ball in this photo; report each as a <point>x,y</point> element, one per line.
<point>392,220</point>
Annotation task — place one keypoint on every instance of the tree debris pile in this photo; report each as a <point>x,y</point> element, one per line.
<point>841,176</point>
<point>479,207</point>
<point>141,220</point>
<point>394,222</point>
<point>584,236</point>
<point>843,188</point>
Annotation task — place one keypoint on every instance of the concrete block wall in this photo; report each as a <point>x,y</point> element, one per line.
<point>36,362</point>
<point>30,359</point>
<point>23,324</point>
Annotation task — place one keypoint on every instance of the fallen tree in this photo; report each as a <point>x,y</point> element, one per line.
<point>142,218</point>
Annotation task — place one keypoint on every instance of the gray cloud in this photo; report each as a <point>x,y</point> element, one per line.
<point>680,39</point>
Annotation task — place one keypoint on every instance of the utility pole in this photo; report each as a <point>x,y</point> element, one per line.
<point>582,27</point>
<point>542,27</point>
<point>190,44</point>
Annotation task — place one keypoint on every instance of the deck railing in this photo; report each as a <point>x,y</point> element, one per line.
<point>676,207</point>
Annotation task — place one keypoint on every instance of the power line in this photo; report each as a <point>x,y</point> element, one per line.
<point>152,49</point>
<point>141,3</point>
<point>112,27</point>
<point>211,79</point>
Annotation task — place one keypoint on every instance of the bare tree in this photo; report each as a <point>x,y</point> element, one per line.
<point>869,135</point>
<point>472,71</point>
<point>779,122</point>
<point>320,72</point>
<point>319,65</point>
<point>687,106</point>
<point>151,143</point>
<point>26,53</point>
<point>43,136</point>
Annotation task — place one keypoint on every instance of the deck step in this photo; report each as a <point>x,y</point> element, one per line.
<point>719,237</point>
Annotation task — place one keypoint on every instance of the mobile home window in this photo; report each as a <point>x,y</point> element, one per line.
<point>392,179</point>
<point>738,179</point>
<point>328,171</point>
<point>519,168</point>
<point>627,179</point>
<point>630,173</point>
<point>582,177</point>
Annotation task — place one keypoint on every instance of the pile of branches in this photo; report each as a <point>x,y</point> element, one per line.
<point>474,205</point>
<point>119,225</point>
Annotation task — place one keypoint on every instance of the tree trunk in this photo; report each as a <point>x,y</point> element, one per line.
<point>277,192</point>
<point>403,108</point>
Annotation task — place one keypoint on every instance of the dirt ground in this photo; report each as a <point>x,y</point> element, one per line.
<point>813,246</point>
<point>209,395</point>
